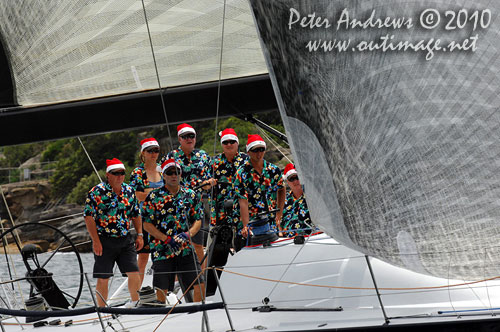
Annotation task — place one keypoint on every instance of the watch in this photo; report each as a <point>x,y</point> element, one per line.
<point>139,234</point>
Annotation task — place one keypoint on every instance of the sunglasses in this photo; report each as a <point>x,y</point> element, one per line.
<point>117,173</point>
<point>293,178</point>
<point>188,136</point>
<point>172,172</point>
<point>261,149</point>
<point>228,142</point>
<point>153,151</point>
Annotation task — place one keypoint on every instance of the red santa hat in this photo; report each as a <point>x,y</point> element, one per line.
<point>289,171</point>
<point>113,164</point>
<point>228,134</point>
<point>185,129</point>
<point>169,163</point>
<point>255,141</point>
<point>148,142</point>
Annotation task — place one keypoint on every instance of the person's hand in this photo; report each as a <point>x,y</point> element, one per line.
<point>172,243</point>
<point>97,247</point>
<point>139,243</point>
<point>182,237</point>
<point>246,231</point>
<point>206,185</point>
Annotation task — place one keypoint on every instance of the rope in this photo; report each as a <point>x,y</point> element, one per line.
<point>356,288</point>
<point>273,143</point>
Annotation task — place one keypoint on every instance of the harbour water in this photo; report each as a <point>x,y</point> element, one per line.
<point>65,273</point>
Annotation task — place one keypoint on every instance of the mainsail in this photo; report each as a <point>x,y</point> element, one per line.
<point>397,143</point>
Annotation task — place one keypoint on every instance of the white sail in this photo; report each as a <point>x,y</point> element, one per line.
<point>398,148</point>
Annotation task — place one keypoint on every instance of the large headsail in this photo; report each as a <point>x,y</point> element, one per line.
<point>397,147</point>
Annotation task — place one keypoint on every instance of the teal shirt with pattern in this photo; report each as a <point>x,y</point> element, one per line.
<point>195,169</point>
<point>171,214</point>
<point>225,171</point>
<point>257,188</point>
<point>139,179</point>
<point>112,213</point>
<point>296,218</point>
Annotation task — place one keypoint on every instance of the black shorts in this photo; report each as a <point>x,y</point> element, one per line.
<point>185,268</point>
<point>202,235</point>
<point>120,250</point>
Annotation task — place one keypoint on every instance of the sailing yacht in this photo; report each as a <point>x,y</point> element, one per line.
<point>396,148</point>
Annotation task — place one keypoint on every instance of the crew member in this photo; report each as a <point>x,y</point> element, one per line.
<point>255,181</point>
<point>172,216</point>
<point>296,219</point>
<point>109,209</point>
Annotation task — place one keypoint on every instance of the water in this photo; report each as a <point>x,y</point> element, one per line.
<point>66,274</point>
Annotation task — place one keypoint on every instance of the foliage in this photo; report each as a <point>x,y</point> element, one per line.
<point>17,154</point>
<point>74,164</point>
<point>53,150</point>
<point>79,192</point>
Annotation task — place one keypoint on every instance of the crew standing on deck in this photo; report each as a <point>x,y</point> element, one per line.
<point>296,219</point>
<point>196,172</point>
<point>255,181</point>
<point>172,216</point>
<point>109,208</point>
<point>143,180</point>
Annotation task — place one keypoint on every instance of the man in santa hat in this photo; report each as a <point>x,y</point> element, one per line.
<point>296,219</point>
<point>256,180</point>
<point>196,174</point>
<point>172,216</point>
<point>109,208</point>
<point>224,168</point>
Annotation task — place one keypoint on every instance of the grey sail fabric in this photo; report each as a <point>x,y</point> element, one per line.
<point>399,149</point>
<point>63,50</point>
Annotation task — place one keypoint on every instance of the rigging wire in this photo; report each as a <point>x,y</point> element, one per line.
<point>273,142</point>
<point>90,159</point>
<point>157,76</point>
<point>16,234</point>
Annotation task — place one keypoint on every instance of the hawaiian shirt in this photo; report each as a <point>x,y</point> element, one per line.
<point>139,179</point>
<point>224,171</point>
<point>112,213</point>
<point>172,214</point>
<point>296,217</point>
<point>195,170</point>
<point>258,188</point>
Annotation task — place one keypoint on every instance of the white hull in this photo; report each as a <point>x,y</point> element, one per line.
<point>321,261</point>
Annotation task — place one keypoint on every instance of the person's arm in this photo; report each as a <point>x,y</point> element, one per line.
<point>281,205</point>
<point>139,242</point>
<point>155,232</point>
<point>92,229</point>
<point>141,195</point>
<point>244,215</point>
<point>194,228</point>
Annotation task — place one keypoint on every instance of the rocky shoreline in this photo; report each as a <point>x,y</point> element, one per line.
<point>29,202</point>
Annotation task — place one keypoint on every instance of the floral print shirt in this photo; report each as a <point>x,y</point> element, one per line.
<point>296,217</point>
<point>225,171</point>
<point>112,213</point>
<point>258,188</point>
<point>172,214</point>
<point>139,179</point>
<point>195,170</point>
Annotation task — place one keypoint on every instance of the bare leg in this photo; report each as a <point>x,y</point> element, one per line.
<point>142,261</point>
<point>200,253</point>
<point>101,289</point>
<point>160,295</point>
<point>198,291</point>
<point>134,282</point>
